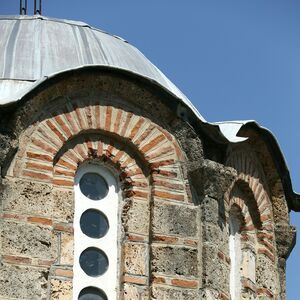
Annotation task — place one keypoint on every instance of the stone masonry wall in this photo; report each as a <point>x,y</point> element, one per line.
<point>258,233</point>
<point>174,233</point>
<point>159,236</point>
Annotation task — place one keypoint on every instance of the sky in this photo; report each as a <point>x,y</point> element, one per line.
<point>235,60</point>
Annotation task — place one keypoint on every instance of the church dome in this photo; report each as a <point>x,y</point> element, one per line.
<point>33,48</point>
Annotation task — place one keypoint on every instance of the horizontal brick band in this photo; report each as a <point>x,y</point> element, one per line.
<point>63,273</point>
<point>192,284</point>
<point>16,259</point>
<point>140,280</point>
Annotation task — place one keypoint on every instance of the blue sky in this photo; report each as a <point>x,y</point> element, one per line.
<point>233,59</point>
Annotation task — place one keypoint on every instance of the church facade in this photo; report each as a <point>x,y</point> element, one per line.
<point>113,186</point>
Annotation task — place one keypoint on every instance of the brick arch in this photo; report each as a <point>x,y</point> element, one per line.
<point>248,241</point>
<point>242,195</point>
<point>250,173</point>
<point>96,147</point>
<point>158,147</point>
<point>251,181</point>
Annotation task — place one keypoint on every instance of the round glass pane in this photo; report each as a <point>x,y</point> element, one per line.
<point>92,293</point>
<point>93,186</point>
<point>94,223</point>
<point>93,262</point>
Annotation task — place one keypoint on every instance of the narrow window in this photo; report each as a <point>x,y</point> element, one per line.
<point>95,234</point>
<point>235,254</point>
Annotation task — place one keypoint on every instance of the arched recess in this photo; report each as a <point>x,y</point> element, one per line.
<point>146,156</point>
<point>236,221</point>
<point>244,222</point>
<point>250,193</point>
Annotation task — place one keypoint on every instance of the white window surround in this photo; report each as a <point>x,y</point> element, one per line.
<point>108,206</point>
<point>235,257</point>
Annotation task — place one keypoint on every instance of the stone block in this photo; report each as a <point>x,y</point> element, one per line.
<point>135,259</point>
<point>66,249</point>
<point>209,294</point>
<point>175,261</point>
<point>137,217</point>
<point>33,198</point>
<point>61,289</point>
<point>135,292</point>
<point>171,219</point>
<point>216,235</point>
<point>30,240</point>
<point>210,210</point>
<point>63,205</point>
<point>26,197</point>
<point>168,293</point>
<point>23,283</point>
<point>285,240</point>
<point>266,274</point>
<point>212,179</point>
<point>216,271</point>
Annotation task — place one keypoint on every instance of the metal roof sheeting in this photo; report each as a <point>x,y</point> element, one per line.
<point>35,47</point>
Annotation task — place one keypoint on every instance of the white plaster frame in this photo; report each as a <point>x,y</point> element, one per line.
<point>235,253</point>
<point>109,244</point>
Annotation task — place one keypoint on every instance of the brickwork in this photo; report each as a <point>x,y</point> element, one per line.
<point>174,202</point>
<point>147,160</point>
<point>250,193</point>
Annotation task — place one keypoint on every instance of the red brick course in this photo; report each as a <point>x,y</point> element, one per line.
<point>192,284</point>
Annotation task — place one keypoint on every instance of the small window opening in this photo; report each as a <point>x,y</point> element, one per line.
<point>95,234</point>
<point>235,252</point>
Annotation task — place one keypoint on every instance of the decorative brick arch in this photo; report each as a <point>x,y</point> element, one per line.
<point>251,181</point>
<point>249,172</point>
<point>158,148</point>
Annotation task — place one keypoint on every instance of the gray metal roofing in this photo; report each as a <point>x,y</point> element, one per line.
<point>33,48</point>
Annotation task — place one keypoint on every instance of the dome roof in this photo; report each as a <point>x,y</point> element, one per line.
<point>33,48</point>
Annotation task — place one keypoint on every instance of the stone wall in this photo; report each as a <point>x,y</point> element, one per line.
<point>159,233</point>
<point>174,212</point>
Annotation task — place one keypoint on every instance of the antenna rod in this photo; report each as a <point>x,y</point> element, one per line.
<point>37,10</point>
<point>23,8</point>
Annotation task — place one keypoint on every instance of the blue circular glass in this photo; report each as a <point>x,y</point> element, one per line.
<point>93,186</point>
<point>92,293</point>
<point>94,223</point>
<point>93,261</point>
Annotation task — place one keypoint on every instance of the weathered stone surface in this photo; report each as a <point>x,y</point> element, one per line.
<point>135,292</point>
<point>175,261</point>
<point>63,205</point>
<point>135,259</point>
<point>285,240</point>
<point>34,198</point>
<point>209,294</point>
<point>174,219</point>
<point>209,181</point>
<point>280,208</point>
<point>266,275</point>
<point>210,210</point>
<point>66,249</point>
<point>168,293</point>
<point>8,144</point>
<point>137,217</point>
<point>214,234</point>
<point>212,179</point>
<point>61,289</point>
<point>26,197</point>
<point>29,240</point>
<point>23,283</point>
<point>215,271</point>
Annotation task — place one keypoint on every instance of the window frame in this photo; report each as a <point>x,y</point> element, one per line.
<point>109,206</point>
